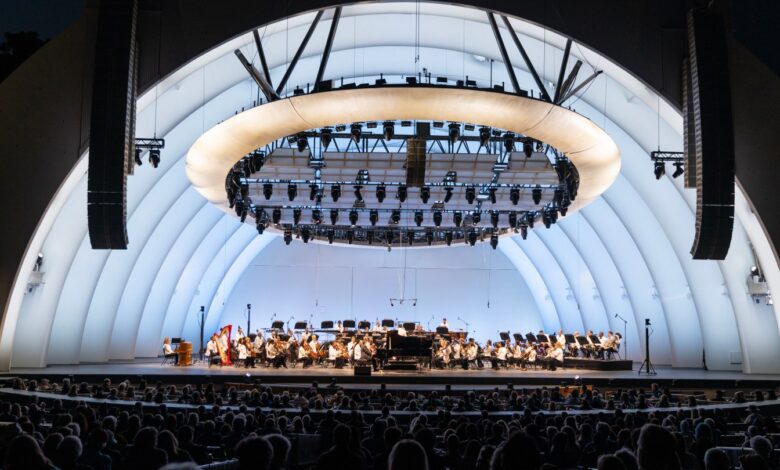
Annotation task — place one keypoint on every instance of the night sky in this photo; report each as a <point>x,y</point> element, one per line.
<point>47,17</point>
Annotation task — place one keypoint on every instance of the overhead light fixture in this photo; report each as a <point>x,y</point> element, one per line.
<point>410,237</point>
<point>138,160</point>
<point>678,169</point>
<point>546,218</point>
<point>341,128</point>
<point>454,131</point>
<point>335,192</point>
<point>402,193</point>
<point>524,231</point>
<point>530,218</point>
<point>536,194</point>
<point>438,124</point>
<point>268,190</point>
<point>395,216</point>
<point>292,191</point>
<point>313,189</point>
<point>471,194</point>
<point>492,195</point>
<point>302,142</point>
<point>381,193</point>
<point>296,216</point>
<point>514,196</point>
<point>457,218</point>
<point>558,197</point>
<point>326,136</point>
<point>513,219</point>
<point>389,237</point>
<point>528,148</point>
<point>287,237</point>
<point>476,217</point>
<point>429,237</point>
<point>373,216</point>
<point>448,238</point>
<point>305,234</point>
<point>370,237</point>
<point>334,216</point>
<point>154,157</point>
<point>276,216</point>
<point>659,169</point>
<point>350,236</point>
<point>494,219</point>
<point>484,136</point>
<point>472,237</point>
<point>355,130</point>
<point>331,235</point>
<point>388,129</point>
<point>437,218</point>
<point>418,218</point>
<point>358,194</point>
<point>509,142</point>
<point>425,194</point>
<point>316,216</point>
<point>353,217</point>
<point>447,193</point>
<point>494,241</point>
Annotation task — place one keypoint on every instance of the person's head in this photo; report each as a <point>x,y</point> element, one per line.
<point>753,462</point>
<point>407,454</point>
<point>254,452</point>
<point>68,451</point>
<point>281,451</point>
<point>628,458</point>
<point>716,459</point>
<point>24,453</point>
<point>656,449</point>
<point>519,447</point>
<point>610,462</point>
<point>168,442</point>
<point>762,446</point>
<point>145,438</point>
<point>341,435</point>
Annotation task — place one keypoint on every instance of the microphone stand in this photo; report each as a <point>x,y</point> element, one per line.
<point>625,333</point>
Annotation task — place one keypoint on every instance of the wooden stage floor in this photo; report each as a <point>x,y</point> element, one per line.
<point>200,373</point>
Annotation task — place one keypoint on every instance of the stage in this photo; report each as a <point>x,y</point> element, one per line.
<point>153,370</point>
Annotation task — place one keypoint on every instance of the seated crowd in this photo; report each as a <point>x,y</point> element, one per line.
<point>97,426</point>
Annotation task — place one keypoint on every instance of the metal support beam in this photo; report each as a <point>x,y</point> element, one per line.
<point>567,84</point>
<point>564,63</point>
<point>260,53</point>
<point>580,86</point>
<point>542,89</point>
<point>504,55</point>
<point>265,87</point>
<point>298,53</point>
<point>328,45</point>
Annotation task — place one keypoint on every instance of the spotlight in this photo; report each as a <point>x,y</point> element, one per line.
<point>471,194</point>
<point>530,218</point>
<point>373,216</point>
<point>494,241</point>
<point>476,217</point>
<point>389,237</point>
<point>447,194</point>
<point>429,237</point>
<point>524,231</point>
<point>350,236</point>
<point>454,131</point>
<point>388,129</point>
<point>154,157</point>
<point>492,195</point>
<point>472,238</point>
<point>244,211</point>
<point>296,216</point>
<point>326,136</point>
<point>553,215</point>
<point>448,238</point>
<point>358,194</point>
<point>370,237</point>
<point>353,217</point>
<point>437,218</point>
<point>268,190</point>
<point>546,218</point>
<point>528,148</point>
<point>514,195</point>
<point>381,193</point>
<point>558,197</point>
<point>355,131</point>
<point>292,191</point>
<point>418,218</point>
<point>410,237</point>
<point>335,192</point>
<point>513,219</point>
<point>659,169</point>
<point>678,169</point>
<point>138,160</point>
<point>457,218</point>
<point>316,216</point>
<point>494,219</point>
<point>484,136</point>
<point>395,216</point>
<point>536,194</point>
<point>425,194</point>
<point>509,142</point>
<point>563,210</point>
<point>402,192</point>
<point>334,216</point>
<point>301,142</point>
<point>331,236</point>
<point>305,234</point>
<point>276,216</point>
<point>287,237</point>
<point>260,228</point>
<point>313,191</point>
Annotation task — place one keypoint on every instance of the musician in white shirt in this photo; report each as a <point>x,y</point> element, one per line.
<point>314,344</point>
<point>239,335</point>
<point>561,338</point>
<point>339,327</point>
<point>501,354</point>
<point>444,323</point>
<point>554,358</point>
<point>401,330</point>
<point>378,328</point>
<point>169,352</point>
<point>443,354</point>
<point>212,352</point>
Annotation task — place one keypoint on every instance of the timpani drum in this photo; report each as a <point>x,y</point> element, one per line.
<point>185,353</point>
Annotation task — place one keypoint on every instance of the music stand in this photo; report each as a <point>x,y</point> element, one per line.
<point>326,325</point>
<point>408,326</point>
<point>518,337</point>
<point>283,337</point>
<point>570,338</point>
<point>364,324</point>
<point>442,330</point>
<point>176,340</point>
<point>277,325</point>
<point>299,325</point>
<point>582,341</point>
<point>348,324</point>
<point>595,339</point>
<point>387,323</point>
<point>531,338</point>
<point>504,335</point>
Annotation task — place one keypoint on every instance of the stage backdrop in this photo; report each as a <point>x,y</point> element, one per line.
<point>312,282</point>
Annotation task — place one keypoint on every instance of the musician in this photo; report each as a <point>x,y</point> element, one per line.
<point>212,353</point>
<point>245,352</point>
<point>239,335</point>
<point>334,355</point>
<point>457,349</point>
<point>443,352</point>
<point>517,354</point>
<point>315,346</point>
<point>554,358</point>
<point>608,346</point>
<point>304,353</point>
<point>501,356</point>
<point>369,349</point>
<point>168,351</point>
<point>444,324</point>
<point>529,356</point>
<point>600,345</point>
<point>575,347</point>
<point>592,346</point>
<point>378,328</point>
<point>259,341</point>
<point>275,352</point>
<point>472,351</point>
<point>339,327</point>
<point>488,352</point>
<point>223,341</point>
<point>401,329</point>
<point>561,338</point>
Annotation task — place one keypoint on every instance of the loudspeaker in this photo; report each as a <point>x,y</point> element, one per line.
<point>364,371</point>
<point>415,162</point>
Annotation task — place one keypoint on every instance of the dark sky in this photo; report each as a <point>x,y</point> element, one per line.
<point>48,17</point>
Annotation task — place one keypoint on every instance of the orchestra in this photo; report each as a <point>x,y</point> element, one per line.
<point>370,345</point>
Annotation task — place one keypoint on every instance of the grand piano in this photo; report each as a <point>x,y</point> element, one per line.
<point>406,352</point>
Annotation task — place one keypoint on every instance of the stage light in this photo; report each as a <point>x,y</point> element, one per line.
<point>244,212</point>
<point>260,228</point>
<point>358,194</point>
<point>494,219</point>
<point>494,241</point>
<point>138,160</point>
<point>471,194</point>
<point>389,237</point>
<point>373,216</point>
<point>472,238</point>
<point>509,142</point>
<point>536,194</point>
<point>437,218</point>
<point>326,136</point>
<point>334,216</point>
<point>447,194</point>
<point>402,193</point>
<point>425,194</point>
<point>484,136</point>
<point>530,218</point>
<point>335,192</point>
<point>381,193</point>
<point>514,195</point>
<point>492,195</point>
<point>659,169</point>
<point>296,216</point>
<point>302,142</point>
<point>438,124</point>
<point>513,219</point>
<point>457,218</point>
<point>287,237</point>
<point>553,215</point>
<point>316,216</point>
<point>454,131</point>
<point>524,231</point>
<point>388,129</point>
<point>355,130</point>
<point>410,237</point>
<point>476,217</point>
<point>546,218</point>
<point>678,169</point>
<point>395,216</point>
<point>558,197</point>
<point>276,216</point>
<point>305,234</point>
<point>268,190</point>
<point>292,191</point>
<point>563,210</point>
<point>353,217</point>
<point>429,237</point>
<point>350,236</point>
<point>154,157</point>
<point>370,237</point>
<point>418,218</point>
<point>331,236</point>
<point>528,148</point>
<point>313,191</point>
<point>448,238</point>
